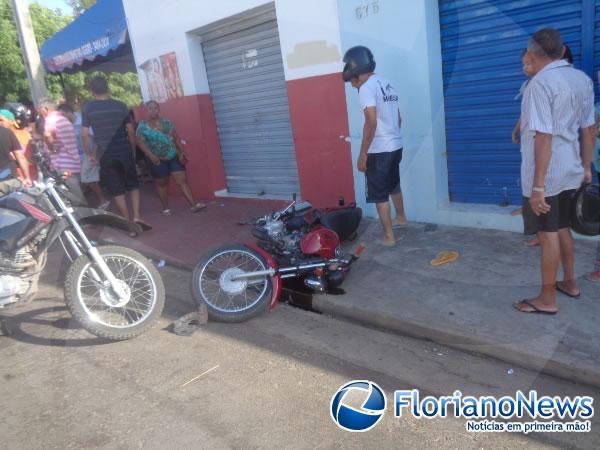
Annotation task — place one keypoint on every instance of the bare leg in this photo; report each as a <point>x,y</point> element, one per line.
<point>383,210</point>
<point>135,204</point>
<point>546,301</point>
<point>121,203</point>
<point>95,187</point>
<point>179,178</point>
<point>567,255</point>
<point>162,187</point>
<point>399,206</point>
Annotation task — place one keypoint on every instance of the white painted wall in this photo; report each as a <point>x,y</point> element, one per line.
<point>404,36</point>
<point>308,31</point>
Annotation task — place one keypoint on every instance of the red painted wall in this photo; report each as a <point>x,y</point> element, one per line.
<point>319,117</point>
<point>194,120</point>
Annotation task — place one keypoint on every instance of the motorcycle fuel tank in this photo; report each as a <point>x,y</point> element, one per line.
<point>320,242</point>
<point>13,225</point>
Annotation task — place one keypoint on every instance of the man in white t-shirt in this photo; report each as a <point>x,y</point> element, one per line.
<point>381,147</point>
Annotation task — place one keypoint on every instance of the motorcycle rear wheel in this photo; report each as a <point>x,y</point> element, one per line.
<point>86,299</point>
<point>230,300</point>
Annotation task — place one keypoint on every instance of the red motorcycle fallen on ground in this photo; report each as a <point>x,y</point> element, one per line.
<point>238,282</point>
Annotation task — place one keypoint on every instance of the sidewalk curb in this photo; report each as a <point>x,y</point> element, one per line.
<point>567,370</point>
<point>445,336</point>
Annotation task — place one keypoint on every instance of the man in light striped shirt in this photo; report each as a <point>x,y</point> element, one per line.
<point>61,139</point>
<point>557,108</point>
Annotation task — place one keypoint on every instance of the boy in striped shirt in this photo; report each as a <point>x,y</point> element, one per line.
<point>61,139</point>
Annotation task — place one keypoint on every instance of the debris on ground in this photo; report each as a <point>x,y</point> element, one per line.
<point>199,376</point>
<point>190,323</point>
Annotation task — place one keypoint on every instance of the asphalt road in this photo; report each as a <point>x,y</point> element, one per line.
<point>266,383</point>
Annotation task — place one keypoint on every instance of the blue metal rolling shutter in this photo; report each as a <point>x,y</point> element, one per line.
<point>596,51</point>
<point>481,45</point>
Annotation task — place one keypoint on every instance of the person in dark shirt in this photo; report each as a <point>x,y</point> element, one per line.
<point>114,140</point>
<point>9,149</point>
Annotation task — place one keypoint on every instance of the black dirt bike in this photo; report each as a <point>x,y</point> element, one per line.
<point>112,291</point>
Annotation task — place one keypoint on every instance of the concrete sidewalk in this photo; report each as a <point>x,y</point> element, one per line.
<point>182,238</point>
<point>466,304</point>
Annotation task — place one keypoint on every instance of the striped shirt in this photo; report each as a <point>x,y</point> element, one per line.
<point>65,141</point>
<point>559,100</point>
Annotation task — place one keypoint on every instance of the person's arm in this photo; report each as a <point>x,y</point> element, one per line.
<point>516,134</point>
<point>24,165</point>
<point>131,136</point>
<point>141,142</point>
<point>50,138</point>
<point>588,133</point>
<point>368,101</point>
<point>540,121</point>
<point>17,151</point>
<point>588,145</point>
<point>87,144</point>
<point>543,154</point>
<point>178,146</point>
<point>368,134</point>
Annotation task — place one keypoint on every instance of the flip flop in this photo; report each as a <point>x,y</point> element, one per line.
<point>535,309</point>
<point>198,207</point>
<point>396,225</point>
<point>166,212</point>
<point>387,244</point>
<point>444,258</point>
<point>143,225</point>
<point>568,294</point>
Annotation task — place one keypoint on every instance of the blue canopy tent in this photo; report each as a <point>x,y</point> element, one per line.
<point>96,40</point>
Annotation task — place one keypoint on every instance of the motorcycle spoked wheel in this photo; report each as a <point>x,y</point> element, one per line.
<point>87,300</point>
<point>230,300</point>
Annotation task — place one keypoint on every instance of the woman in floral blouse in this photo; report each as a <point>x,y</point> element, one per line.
<point>157,138</point>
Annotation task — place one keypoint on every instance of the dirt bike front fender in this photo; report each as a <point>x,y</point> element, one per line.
<point>275,279</point>
<point>92,216</point>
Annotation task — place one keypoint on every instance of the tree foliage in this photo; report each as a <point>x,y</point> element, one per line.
<point>79,6</point>
<point>46,22</point>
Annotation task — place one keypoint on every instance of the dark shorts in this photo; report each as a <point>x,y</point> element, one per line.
<point>165,168</point>
<point>558,218</point>
<point>383,175</point>
<point>118,176</point>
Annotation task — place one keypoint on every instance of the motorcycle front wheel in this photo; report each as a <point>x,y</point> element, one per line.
<point>229,299</point>
<point>95,306</point>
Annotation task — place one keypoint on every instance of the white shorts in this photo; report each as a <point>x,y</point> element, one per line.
<point>90,173</point>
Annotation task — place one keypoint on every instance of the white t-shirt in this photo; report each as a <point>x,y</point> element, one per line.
<point>379,92</point>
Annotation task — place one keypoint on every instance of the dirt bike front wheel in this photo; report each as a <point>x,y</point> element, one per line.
<point>227,298</point>
<point>94,304</point>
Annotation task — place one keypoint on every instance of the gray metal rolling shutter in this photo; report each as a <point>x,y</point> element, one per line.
<point>249,94</point>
